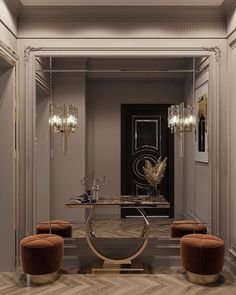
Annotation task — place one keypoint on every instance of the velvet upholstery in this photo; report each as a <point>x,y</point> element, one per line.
<point>58,227</point>
<point>41,254</point>
<point>202,254</point>
<point>181,228</point>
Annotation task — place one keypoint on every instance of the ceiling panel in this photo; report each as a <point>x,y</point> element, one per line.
<point>122,2</point>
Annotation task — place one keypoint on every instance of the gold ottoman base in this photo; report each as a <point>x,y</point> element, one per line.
<point>42,279</point>
<point>201,279</point>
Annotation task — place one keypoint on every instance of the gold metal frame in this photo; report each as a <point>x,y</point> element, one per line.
<point>116,264</point>
<point>201,279</point>
<point>41,279</point>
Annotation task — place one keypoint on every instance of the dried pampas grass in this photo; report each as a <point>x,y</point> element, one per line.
<point>155,174</point>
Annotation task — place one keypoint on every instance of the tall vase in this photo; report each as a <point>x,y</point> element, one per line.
<point>154,193</point>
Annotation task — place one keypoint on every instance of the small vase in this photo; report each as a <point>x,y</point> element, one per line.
<point>95,195</point>
<point>154,193</point>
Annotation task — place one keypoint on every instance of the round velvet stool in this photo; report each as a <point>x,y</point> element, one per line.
<point>181,228</point>
<point>57,227</point>
<point>41,257</point>
<point>202,257</point>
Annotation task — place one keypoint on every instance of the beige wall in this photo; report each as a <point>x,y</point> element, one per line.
<point>7,169</point>
<point>104,99</point>
<point>189,161</point>
<point>42,165</point>
<point>202,183</point>
<point>197,188</point>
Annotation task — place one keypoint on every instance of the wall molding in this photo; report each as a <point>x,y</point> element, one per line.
<point>9,30</point>
<point>42,83</point>
<point>37,50</point>
<point>8,54</point>
<point>34,52</point>
<point>232,40</point>
<point>230,213</point>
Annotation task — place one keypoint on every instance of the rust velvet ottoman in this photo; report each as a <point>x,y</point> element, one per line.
<point>58,227</point>
<point>41,257</point>
<point>202,257</point>
<point>181,228</point>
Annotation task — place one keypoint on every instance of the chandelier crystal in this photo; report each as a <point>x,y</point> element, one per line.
<point>181,119</point>
<point>63,119</point>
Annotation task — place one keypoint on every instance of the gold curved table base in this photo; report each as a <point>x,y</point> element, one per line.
<point>109,262</point>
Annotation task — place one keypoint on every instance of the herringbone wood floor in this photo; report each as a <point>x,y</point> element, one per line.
<point>169,281</point>
<point>163,281</point>
<point>126,228</point>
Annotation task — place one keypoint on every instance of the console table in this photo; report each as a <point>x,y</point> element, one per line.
<point>139,203</point>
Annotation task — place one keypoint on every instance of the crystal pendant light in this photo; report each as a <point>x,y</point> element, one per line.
<point>181,119</point>
<point>63,120</point>
<point>71,116</point>
<point>56,118</point>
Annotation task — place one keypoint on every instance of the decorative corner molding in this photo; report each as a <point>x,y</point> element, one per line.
<point>28,50</point>
<point>217,52</point>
